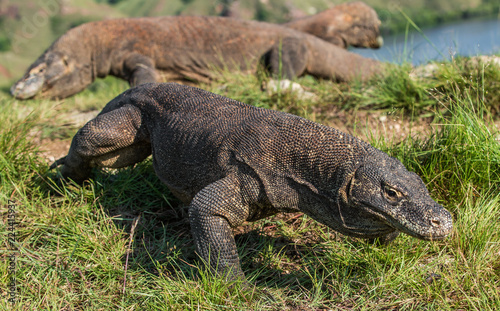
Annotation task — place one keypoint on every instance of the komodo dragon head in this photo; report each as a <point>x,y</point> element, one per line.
<point>54,75</point>
<point>357,25</point>
<point>349,24</point>
<point>382,197</point>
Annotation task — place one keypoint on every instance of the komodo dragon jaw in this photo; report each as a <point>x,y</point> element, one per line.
<point>361,37</point>
<point>31,84</point>
<point>53,76</point>
<point>383,187</point>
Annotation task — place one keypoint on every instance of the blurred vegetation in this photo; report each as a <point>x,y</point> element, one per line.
<point>61,23</point>
<point>28,27</point>
<point>4,40</point>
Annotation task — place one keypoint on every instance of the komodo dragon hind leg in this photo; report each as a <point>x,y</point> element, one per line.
<point>141,69</point>
<point>212,212</point>
<point>288,57</point>
<point>113,139</point>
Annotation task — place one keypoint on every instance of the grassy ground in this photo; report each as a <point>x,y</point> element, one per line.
<point>122,242</point>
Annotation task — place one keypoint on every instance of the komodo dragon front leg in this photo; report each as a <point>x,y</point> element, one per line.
<point>287,58</point>
<point>141,69</point>
<point>212,212</point>
<point>113,139</point>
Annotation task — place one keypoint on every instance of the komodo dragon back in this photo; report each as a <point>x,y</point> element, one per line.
<point>231,162</point>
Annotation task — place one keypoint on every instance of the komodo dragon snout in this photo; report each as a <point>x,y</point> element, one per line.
<point>53,75</point>
<point>398,198</point>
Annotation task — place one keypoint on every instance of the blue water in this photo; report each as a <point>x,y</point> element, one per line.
<point>466,38</point>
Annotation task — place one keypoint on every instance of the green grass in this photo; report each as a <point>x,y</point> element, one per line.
<point>74,241</point>
<point>393,92</point>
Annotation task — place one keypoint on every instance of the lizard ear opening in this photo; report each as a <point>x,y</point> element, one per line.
<point>346,189</point>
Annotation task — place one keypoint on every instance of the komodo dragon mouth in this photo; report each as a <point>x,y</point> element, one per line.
<point>30,85</point>
<point>438,227</point>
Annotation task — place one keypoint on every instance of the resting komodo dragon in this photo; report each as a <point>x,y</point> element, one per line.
<point>347,24</point>
<point>231,162</point>
<point>175,48</point>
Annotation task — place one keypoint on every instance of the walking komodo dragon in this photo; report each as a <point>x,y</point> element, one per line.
<point>175,48</point>
<point>231,162</point>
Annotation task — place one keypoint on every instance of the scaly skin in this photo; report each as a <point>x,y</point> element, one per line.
<point>231,162</point>
<point>348,24</point>
<point>177,48</point>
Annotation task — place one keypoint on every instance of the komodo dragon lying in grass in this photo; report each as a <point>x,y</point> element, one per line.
<point>174,48</point>
<point>347,24</point>
<point>232,162</point>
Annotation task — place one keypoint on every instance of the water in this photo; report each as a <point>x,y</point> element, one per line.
<point>466,38</point>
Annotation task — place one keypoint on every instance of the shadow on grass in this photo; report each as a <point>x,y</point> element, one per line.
<point>5,90</point>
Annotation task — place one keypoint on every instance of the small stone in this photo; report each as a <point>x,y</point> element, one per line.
<point>289,86</point>
<point>383,118</point>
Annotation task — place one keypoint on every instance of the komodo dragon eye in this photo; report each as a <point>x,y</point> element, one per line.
<point>392,194</point>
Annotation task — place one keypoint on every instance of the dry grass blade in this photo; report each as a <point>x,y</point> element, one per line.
<point>129,248</point>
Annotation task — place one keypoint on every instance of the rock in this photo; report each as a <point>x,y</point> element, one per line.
<point>285,85</point>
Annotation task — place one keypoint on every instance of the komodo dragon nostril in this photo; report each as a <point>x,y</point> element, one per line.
<point>435,222</point>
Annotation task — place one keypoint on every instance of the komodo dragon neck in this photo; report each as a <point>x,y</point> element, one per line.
<point>78,45</point>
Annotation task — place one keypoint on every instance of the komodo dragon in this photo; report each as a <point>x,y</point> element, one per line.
<point>173,48</point>
<point>347,24</point>
<point>231,162</point>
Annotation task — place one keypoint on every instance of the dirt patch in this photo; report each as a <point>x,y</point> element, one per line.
<point>52,150</point>
<point>367,125</point>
